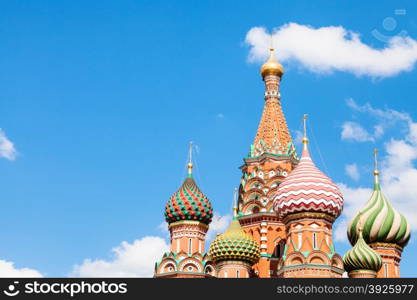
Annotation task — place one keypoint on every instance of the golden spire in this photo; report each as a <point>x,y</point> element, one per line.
<point>376,172</point>
<point>190,160</point>
<point>272,66</point>
<point>235,203</point>
<point>305,139</point>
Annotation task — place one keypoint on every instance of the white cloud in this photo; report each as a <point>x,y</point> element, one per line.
<point>218,224</point>
<point>7,269</point>
<point>355,132</point>
<point>355,199</point>
<point>398,176</point>
<point>385,118</point>
<point>340,231</point>
<point>352,171</point>
<point>130,260</point>
<point>7,149</point>
<point>138,258</point>
<point>333,48</point>
<point>386,115</point>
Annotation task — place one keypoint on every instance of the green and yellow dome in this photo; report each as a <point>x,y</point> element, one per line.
<point>381,222</point>
<point>362,257</point>
<point>234,244</point>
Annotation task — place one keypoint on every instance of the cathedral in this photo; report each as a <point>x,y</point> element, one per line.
<point>283,215</point>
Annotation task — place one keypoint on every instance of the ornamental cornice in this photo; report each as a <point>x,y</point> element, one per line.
<point>188,223</point>
<point>388,246</point>
<point>308,215</point>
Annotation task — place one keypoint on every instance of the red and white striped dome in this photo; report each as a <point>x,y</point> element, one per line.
<point>307,189</point>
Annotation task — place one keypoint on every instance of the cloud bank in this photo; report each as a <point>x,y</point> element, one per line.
<point>333,48</point>
<point>130,260</point>
<point>7,269</point>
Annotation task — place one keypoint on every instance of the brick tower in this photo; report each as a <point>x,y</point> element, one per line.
<point>384,229</point>
<point>188,213</point>
<point>271,158</point>
<point>308,203</point>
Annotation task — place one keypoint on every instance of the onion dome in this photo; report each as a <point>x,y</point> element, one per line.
<point>362,257</point>
<point>234,244</point>
<point>381,222</point>
<point>189,202</point>
<point>272,66</point>
<point>307,189</point>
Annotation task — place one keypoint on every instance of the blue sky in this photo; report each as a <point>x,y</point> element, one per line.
<point>100,99</point>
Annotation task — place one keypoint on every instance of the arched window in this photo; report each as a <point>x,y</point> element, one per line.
<point>237,273</point>
<point>279,249</point>
<point>255,210</point>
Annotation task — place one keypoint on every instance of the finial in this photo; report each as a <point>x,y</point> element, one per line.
<point>305,139</point>
<point>271,46</point>
<point>376,172</point>
<point>272,66</point>
<point>190,160</point>
<point>235,203</point>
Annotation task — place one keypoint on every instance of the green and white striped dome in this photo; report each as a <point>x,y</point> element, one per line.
<point>362,257</point>
<point>381,222</point>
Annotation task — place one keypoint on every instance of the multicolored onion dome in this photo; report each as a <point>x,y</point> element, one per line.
<point>272,66</point>
<point>234,244</point>
<point>188,203</point>
<point>362,257</point>
<point>307,189</point>
<point>381,222</point>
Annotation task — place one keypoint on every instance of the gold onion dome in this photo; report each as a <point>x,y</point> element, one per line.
<point>272,66</point>
<point>362,257</point>
<point>234,244</point>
